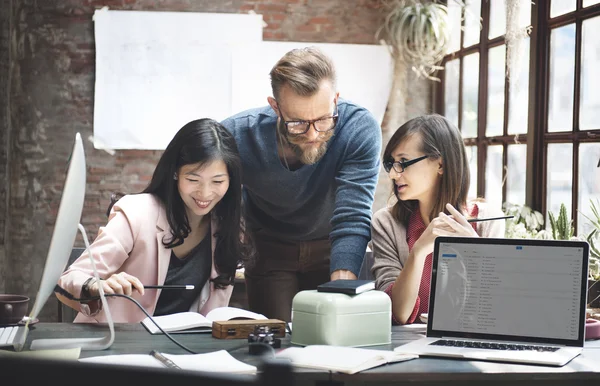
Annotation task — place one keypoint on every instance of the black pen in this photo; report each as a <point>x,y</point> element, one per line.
<point>164,360</point>
<point>489,218</point>
<point>177,286</point>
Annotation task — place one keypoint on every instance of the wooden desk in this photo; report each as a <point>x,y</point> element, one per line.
<point>134,339</point>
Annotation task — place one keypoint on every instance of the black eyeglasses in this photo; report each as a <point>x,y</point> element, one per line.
<point>320,125</point>
<point>399,166</point>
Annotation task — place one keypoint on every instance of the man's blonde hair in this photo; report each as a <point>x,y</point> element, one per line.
<point>303,70</point>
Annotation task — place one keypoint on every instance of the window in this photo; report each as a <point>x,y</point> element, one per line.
<point>477,97</point>
<point>541,149</point>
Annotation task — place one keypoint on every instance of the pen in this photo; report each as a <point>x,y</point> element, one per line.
<point>180,287</point>
<point>164,360</point>
<point>489,218</point>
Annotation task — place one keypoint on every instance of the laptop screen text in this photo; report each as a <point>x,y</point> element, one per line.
<point>508,289</point>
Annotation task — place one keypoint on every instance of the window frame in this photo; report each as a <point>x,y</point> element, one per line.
<point>537,137</point>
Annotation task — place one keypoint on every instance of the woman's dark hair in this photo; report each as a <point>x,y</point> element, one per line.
<point>439,138</point>
<point>203,141</point>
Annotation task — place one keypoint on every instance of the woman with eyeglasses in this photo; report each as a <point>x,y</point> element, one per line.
<point>426,161</point>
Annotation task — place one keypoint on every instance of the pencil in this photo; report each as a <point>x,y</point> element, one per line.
<point>178,286</point>
<point>164,360</point>
<point>489,218</point>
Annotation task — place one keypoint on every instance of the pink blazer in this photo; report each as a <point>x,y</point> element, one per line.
<point>131,241</point>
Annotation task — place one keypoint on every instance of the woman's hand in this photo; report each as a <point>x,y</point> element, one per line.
<point>454,225</point>
<point>119,283</point>
<point>459,223</point>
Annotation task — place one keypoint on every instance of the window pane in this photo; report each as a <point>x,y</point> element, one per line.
<point>472,157</point>
<point>590,76</point>
<point>560,7</point>
<point>493,176</point>
<point>470,79</point>
<point>451,79</point>
<point>515,174</point>
<point>497,18</point>
<point>587,3</point>
<point>559,177</point>
<point>472,22</point>
<point>589,184</point>
<point>518,98</point>
<point>454,17</point>
<point>562,75</point>
<point>495,102</point>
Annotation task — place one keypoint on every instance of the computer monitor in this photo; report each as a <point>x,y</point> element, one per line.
<point>63,238</point>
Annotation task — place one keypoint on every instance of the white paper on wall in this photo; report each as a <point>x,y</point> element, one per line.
<point>156,71</point>
<point>364,73</point>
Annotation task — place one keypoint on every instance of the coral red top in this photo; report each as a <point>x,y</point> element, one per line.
<point>415,229</point>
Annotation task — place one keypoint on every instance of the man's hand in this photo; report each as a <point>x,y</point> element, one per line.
<point>342,274</point>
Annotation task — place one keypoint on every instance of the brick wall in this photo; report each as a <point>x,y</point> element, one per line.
<point>4,134</point>
<point>50,98</point>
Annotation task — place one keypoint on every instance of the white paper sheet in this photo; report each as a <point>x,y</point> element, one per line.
<point>217,361</point>
<point>156,71</point>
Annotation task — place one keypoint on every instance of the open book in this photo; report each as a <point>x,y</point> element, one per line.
<point>347,360</point>
<point>218,361</point>
<point>187,322</point>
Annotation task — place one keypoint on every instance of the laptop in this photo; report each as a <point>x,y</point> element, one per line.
<point>506,300</point>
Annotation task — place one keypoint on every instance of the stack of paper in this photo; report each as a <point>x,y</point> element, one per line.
<point>347,360</point>
<point>218,361</point>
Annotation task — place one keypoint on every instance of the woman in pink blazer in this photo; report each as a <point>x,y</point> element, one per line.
<point>184,228</point>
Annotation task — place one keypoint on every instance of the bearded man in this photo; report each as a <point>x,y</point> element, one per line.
<point>310,166</point>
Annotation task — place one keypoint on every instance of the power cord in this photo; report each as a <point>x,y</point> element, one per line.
<point>68,295</point>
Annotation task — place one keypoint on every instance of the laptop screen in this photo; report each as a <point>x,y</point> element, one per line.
<point>509,289</point>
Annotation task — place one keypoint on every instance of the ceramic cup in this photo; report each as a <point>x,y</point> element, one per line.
<point>13,308</point>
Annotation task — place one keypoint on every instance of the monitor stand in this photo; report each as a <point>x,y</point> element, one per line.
<point>101,343</point>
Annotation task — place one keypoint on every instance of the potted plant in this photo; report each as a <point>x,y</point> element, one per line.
<point>525,224</point>
<point>562,226</point>
<point>593,238</point>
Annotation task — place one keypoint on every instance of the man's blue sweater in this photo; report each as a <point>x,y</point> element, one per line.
<point>331,197</point>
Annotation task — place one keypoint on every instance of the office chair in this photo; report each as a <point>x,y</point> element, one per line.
<point>66,313</point>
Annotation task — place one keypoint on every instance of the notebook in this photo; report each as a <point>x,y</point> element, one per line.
<point>350,287</point>
<point>506,300</point>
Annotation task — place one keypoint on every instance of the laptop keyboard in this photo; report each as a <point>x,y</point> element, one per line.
<point>492,346</point>
<point>9,334</point>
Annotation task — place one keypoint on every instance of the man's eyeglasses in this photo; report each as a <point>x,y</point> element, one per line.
<point>399,166</point>
<point>320,125</point>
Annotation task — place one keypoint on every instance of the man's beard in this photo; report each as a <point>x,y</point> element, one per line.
<point>309,156</point>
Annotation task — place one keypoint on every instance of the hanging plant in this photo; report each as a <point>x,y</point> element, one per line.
<point>514,37</point>
<point>418,34</point>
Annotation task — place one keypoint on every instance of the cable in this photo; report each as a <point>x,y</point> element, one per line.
<point>68,295</point>
<point>103,301</point>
